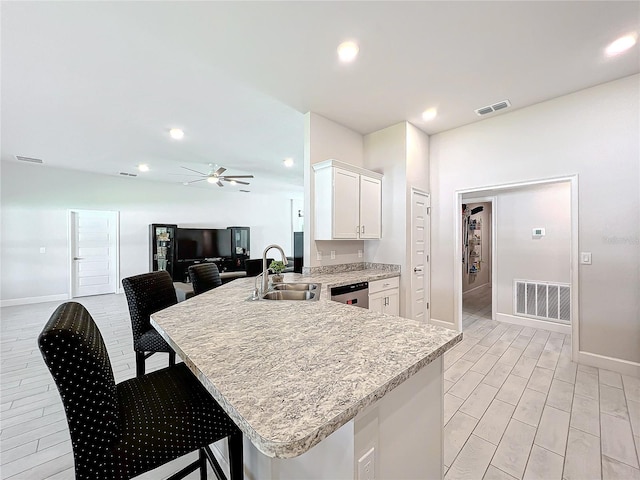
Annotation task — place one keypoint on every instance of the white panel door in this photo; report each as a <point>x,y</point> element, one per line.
<point>346,204</point>
<point>420,255</point>
<point>94,253</point>
<point>370,207</point>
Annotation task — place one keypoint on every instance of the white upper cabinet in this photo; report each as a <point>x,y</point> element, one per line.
<point>348,202</point>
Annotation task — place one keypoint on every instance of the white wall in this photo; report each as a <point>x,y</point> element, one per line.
<point>36,199</point>
<point>594,133</point>
<point>519,255</point>
<point>401,153</point>
<point>386,151</point>
<point>324,140</point>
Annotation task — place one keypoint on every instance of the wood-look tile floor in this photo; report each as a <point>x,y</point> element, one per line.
<point>515,404</point>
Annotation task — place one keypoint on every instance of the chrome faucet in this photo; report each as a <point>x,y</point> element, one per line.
<point>265,274</point>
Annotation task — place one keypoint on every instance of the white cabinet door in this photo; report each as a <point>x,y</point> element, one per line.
<point>376,302</point>
<point>370,207</point>
<point>392,306</point>
<point>386,301</point>
<point>346,204</point>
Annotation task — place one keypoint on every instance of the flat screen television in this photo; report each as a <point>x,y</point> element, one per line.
<point>201,243</point>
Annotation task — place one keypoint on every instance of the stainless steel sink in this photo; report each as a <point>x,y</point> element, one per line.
<point>295,286</point>
<point>291,295</point>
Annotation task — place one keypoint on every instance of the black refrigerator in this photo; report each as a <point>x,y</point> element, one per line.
<point>298,251</point>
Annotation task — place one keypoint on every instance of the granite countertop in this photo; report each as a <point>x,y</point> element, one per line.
<point>290,373</point>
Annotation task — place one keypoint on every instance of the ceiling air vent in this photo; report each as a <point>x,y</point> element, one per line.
<point>493,108</point>
<point>28,159</point>
<point>126,174</point>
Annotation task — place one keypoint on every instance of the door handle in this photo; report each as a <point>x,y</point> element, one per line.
<point>78,258</point>
<point>416,269</point>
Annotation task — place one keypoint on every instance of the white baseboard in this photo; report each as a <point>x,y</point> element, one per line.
<point>624,367</point>
<point>442,323</point>
<point>532,322</point>
<point>484,285</point>
<point>29,300</point>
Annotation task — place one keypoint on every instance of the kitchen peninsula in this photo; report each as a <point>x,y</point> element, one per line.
<point>319,389</point>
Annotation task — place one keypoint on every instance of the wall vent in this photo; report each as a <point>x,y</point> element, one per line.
<point>543,300</point>
<point>492,108</point>
<point>126,174</point>
<point>28,159</point>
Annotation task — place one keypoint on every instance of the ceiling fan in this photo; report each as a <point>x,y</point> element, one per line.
<point>216,176</point>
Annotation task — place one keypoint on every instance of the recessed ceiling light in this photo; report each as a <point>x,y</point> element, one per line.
<point>621,45</point>
<point>430,114</point>
<point>348,51</point>
<point>176,133</point>
<point>288,162</point>
<point>143,167</point>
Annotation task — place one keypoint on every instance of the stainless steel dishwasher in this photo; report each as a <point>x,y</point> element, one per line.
<point>355,294</point>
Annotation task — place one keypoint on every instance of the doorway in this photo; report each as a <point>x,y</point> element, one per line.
<point>477,254</point>
<point>93,256</point>
<point>525,224</point>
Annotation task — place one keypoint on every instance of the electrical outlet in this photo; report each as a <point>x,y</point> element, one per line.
<point>585,258</point>
<point>319,255</point>
<point>366,466</point>
<point>333,254</point>
<point>359,253</point>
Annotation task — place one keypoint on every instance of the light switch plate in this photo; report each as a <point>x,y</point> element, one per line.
<point>585,258</point>
<point>333,254</point>
<point>319,255</point>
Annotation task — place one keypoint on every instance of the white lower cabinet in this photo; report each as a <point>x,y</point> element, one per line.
<point>384,296</point>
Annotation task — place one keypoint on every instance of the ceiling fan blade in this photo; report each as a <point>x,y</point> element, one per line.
<point>219,183</point>
<point>219,171</point>
<point>238,176</point>
<point>233,180</point>
<point>194,181</point>
<point>187,168</point>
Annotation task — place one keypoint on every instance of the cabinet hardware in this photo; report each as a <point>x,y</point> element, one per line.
<point>78,258</point>
<point>358,229</point>
<point>363,229</point>
<point>416,269</point>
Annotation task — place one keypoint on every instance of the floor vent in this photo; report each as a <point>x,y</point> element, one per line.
<point>492,108</point>
<point>28,159</point>
<point>543,300</point>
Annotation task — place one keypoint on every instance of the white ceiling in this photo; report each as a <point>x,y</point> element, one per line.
<point>95,86</point>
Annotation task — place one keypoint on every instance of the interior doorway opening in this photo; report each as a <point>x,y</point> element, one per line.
<point>535,230</point>
<point>477,254</point>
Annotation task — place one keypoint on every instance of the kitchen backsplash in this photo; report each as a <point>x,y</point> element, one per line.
<point>350,267</point>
